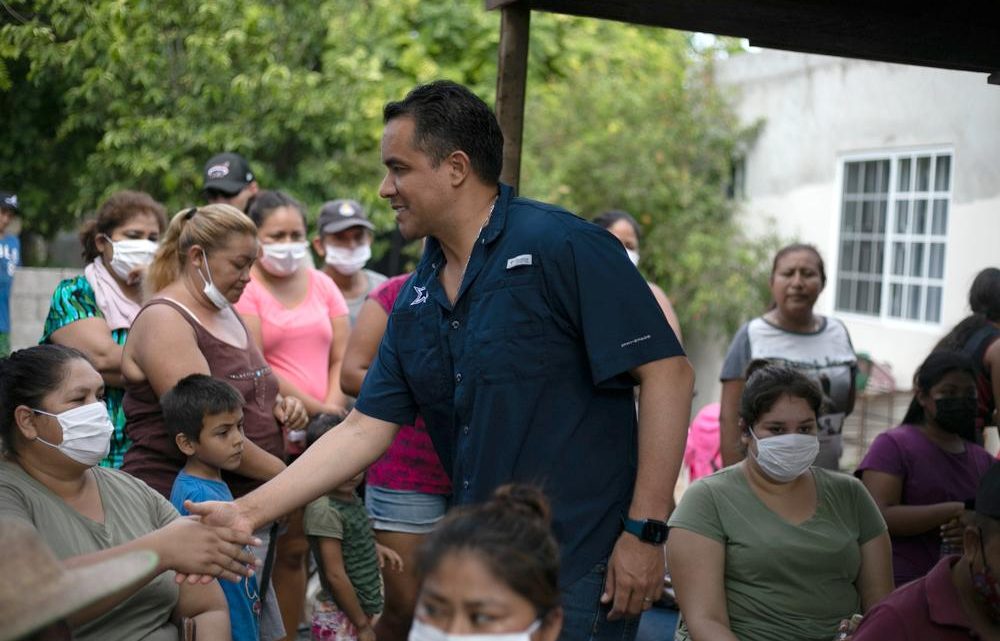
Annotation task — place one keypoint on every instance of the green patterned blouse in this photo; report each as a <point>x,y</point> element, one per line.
<point>74,300</point>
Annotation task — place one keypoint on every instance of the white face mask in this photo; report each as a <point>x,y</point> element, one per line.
<point>86,433</point>
<point>283,259</point>
<point>210,291</point>
<point>787,456</point>
<point>421,631</point>
<point>633,256</point>
<point>347,261</point>
<point>127,255</point>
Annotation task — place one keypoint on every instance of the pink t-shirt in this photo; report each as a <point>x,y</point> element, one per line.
<point>296,342</point>
<point>410,463</point>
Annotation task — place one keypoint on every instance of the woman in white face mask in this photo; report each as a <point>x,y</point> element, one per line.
<point>93,312</point>
<point>490,572</point>
<point>344,242</point>
<point>298,319</point>
<point>774,548</point>
<point>55,429</point>
<point>626,229</point>
<point>188,326</point>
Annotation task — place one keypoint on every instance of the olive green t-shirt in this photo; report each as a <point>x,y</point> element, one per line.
<point>348,523</point>
<point>784,582</point>
<point>131,510</point>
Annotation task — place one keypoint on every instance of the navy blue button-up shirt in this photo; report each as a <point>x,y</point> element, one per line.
<point>526,377</point>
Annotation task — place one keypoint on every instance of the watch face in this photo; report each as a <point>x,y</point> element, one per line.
<point>654,532</point>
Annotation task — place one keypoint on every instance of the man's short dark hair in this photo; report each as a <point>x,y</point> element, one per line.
<point>447,118</point>
<point>194,397</point>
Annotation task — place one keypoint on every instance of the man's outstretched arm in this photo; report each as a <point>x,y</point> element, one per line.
<point>340,454</point>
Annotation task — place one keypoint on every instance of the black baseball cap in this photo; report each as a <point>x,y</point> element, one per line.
<point>988,494</point>
<point>338,215</point>
<point>8,200</point>
<point>228,173</point>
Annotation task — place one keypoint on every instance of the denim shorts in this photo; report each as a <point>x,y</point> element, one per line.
<point>404,510</point>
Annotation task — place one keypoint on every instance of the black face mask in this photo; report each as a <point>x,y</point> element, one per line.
<point>955,414</point>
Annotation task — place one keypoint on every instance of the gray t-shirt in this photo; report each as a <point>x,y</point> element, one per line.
<point>784,582</point>
<point>131,510</point>
<point>354,304</point>
<point>826,356</point>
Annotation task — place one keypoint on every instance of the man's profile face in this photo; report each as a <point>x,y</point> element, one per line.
<point>415,188</point>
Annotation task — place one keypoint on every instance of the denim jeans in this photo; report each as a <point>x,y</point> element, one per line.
<point>586,618</point>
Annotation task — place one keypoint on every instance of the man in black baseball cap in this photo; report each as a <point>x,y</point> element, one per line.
<point>229,179</point>
<point>960,597</point>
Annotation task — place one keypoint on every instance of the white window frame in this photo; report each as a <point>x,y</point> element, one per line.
<point>890,236</point>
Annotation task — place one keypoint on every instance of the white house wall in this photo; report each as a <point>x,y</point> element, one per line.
<point>819,110</point>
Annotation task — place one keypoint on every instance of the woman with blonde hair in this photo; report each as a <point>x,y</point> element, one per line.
<point>188,326</point>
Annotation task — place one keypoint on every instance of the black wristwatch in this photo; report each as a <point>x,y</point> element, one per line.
<point>648,531</point>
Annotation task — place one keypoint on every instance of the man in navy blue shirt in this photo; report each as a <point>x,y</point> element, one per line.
<point>519,339</point>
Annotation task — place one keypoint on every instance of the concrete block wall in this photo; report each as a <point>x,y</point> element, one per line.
<point>29,302</point>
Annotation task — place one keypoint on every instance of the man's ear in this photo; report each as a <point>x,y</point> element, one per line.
<point>318,246</point>
<point>184,444</point>
<point>459,167</point>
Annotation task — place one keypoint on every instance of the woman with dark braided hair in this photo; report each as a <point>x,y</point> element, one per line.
<point>491,570</point>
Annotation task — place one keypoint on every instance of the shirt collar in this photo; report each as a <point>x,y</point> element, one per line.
<point>433,256</point>
<point>944,605</point>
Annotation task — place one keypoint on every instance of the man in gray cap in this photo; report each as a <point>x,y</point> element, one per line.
<point>960,597</point>
<point>10,259</point>
<point>344,242</point>
<point>228,179</point>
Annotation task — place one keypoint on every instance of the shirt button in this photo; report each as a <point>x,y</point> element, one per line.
<point>465,430</point>
<point>455,324</point>
<point>465,485</point>
<point>458,378</point>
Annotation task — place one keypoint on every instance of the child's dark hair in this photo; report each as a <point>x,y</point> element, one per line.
<point>609,218</point>
<point>511,534</point>
<point>26,377</point>
<point>930,372</point>
<point>194,397</point>
<point>320,425</point>
<point>767,381</point>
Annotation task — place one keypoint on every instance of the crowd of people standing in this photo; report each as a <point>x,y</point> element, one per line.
<point>513,411</point>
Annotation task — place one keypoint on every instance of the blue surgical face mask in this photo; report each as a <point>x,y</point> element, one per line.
<point>422,631</point>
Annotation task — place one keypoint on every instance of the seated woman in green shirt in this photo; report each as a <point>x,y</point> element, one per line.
<point>772,548</point>
<point>54,430</point>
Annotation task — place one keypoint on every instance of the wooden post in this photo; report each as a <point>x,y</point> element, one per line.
<point>512,75</point>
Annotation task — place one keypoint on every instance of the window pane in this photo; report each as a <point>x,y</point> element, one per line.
<point>916,259</point>
<point>883,206</point>
<point>844,294</point>
<point>883,177</point>
<point>862,295</point>
<point>898,258</point>
<point>942,176</point>
<point>936,266</point>
<point>919,217</point>
<point>850,223</point>
<point>865,258</point>
<point>896,300</point>
<point>923,173</point>
<point>871,173</point>
<point>940,222</point>
<point>868,217</point>
<point>903,184</point>
<point>933,305</point>
<point>913,302</point>
<point>879,255</point>
<point>853,181</point>
<point>877,302</point>
<point>902,216</point>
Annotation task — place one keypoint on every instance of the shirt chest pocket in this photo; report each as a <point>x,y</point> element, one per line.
<point>425,368</point>
<point>509,337</point>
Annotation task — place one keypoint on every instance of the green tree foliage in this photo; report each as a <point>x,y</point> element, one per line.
<point>109,94</point>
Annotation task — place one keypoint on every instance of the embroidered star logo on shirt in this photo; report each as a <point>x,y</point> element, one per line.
<point>421,295</point>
